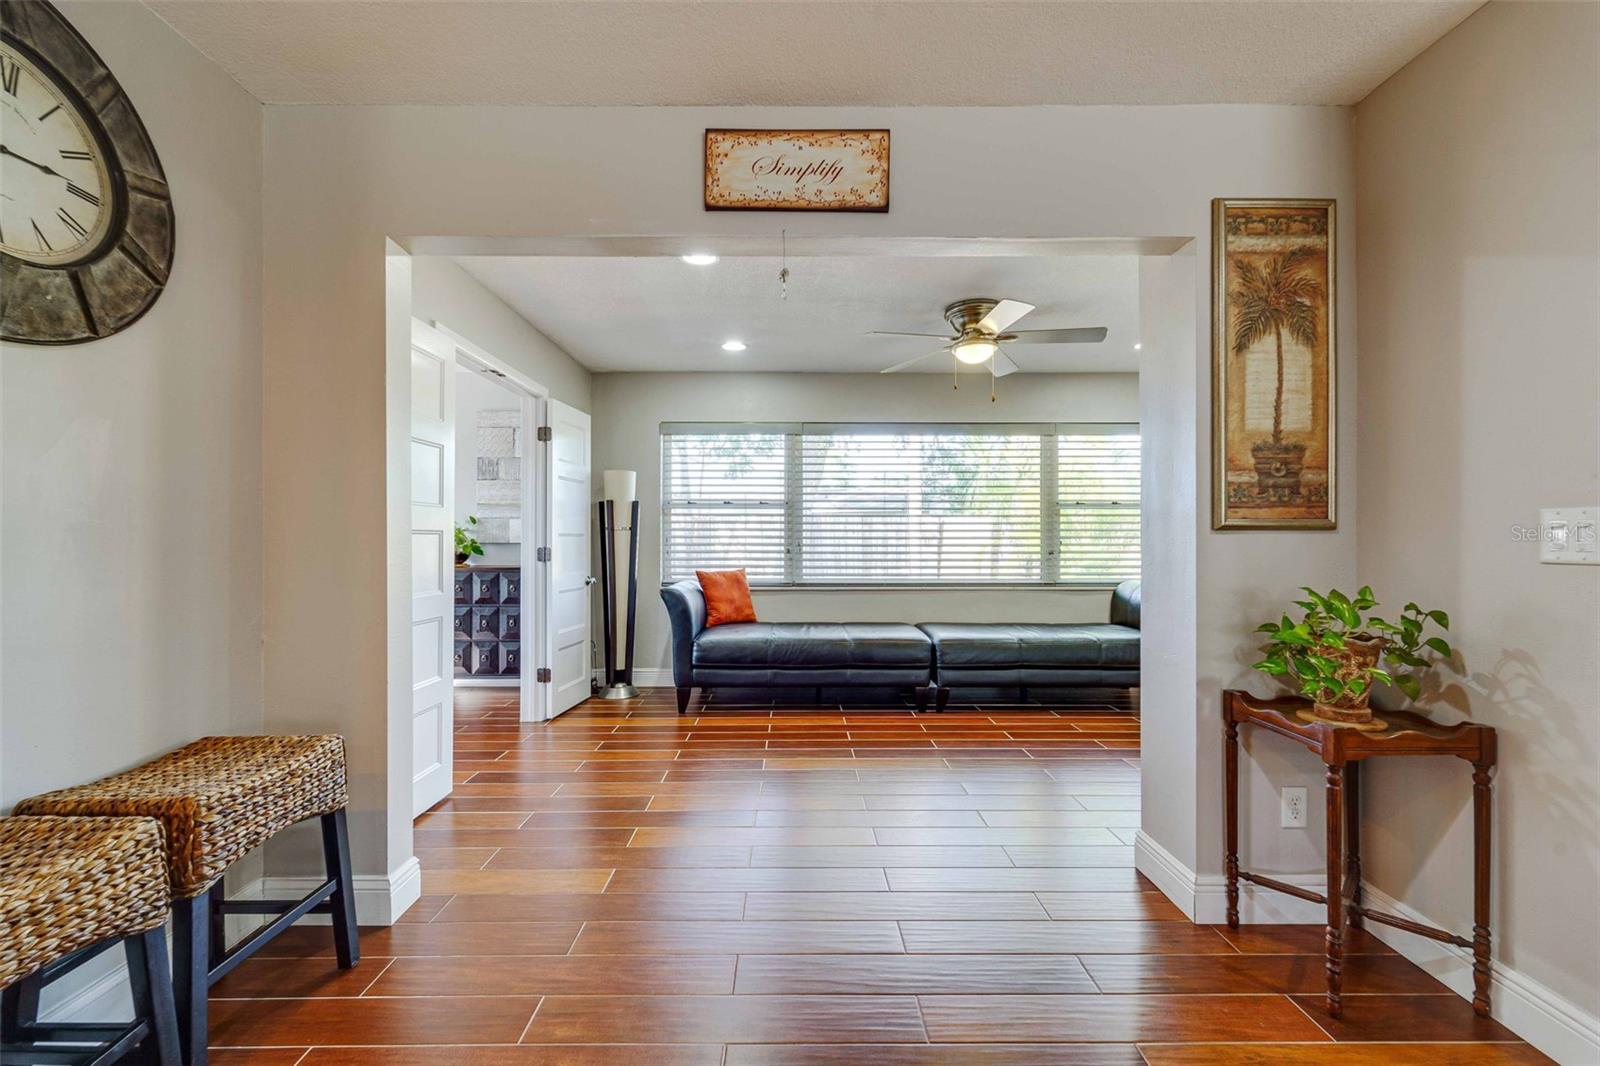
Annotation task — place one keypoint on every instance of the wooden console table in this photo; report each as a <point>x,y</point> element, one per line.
<point>1341,751</point>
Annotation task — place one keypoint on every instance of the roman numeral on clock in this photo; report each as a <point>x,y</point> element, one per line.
<point>9,73</point>
<point>73,153</point>
<point>83,194</point>
<point>71,223</point>
<point>44,245</point>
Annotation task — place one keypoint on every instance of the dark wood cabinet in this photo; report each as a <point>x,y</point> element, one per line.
<point>488,620</point>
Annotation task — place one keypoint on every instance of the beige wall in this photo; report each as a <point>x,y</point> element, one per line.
<point>629,410</point>
<point>445,295</point>
<point>132,465</point>
<point>1478,180</point>
<point>339,180</point>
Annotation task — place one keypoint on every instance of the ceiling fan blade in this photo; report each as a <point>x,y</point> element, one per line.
<point>898,333</point>
<point>1082,335</point>
<point>1002,315</point>
<point>1003,365</point>
<point>913,362</point>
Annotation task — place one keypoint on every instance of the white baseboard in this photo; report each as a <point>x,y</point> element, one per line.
<point>1175,880</point>
<point>1541,1016</point>
<point>1550,1022</point>
<point>380,898</point>
<point>104,997</point>
<point>1204,898</point>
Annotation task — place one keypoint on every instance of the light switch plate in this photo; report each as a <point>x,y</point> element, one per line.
<point>1568,535</point>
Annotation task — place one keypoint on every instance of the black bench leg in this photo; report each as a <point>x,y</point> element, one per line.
<point>944,698</point>
<point>684,695</point>
<point>151,982</point>
<point>191,972</point>
<point>19,1008</point>
<point>336,854</point>
<point>922,698</point>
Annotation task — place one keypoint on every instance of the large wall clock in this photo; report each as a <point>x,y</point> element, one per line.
<point>86,222</point>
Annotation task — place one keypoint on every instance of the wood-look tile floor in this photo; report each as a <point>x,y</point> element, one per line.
<point>758,884</point>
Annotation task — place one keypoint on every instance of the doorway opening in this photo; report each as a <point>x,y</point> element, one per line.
<point>499,544</point>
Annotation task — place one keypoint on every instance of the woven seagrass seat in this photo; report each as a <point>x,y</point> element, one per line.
<point>70,888</point>
<point>67,883</point>
<point>219,798</point>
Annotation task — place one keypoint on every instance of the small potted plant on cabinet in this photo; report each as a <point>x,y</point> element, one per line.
<point>1339,650</point>
<point>466,544</point>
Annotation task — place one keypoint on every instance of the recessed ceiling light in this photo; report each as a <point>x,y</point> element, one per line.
<point>733,346</point>
<point>1138,347</point>
<point>699,259</point>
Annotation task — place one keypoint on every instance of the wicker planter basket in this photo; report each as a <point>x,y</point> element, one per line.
<point>1356,657</point>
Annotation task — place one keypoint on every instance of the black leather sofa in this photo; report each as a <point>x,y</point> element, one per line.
<point>1030,654</point>
<point>925,658</point>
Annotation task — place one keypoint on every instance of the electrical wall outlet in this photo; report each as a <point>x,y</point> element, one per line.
<point>1294,808</point>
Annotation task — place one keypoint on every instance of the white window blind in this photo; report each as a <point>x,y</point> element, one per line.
<point>931,505</point>
<point>723,496</point>
<point>1098,496</point>
<point>902,504</point>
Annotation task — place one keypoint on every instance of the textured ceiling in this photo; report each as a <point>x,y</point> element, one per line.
<point>801,52</point>
<point>662,314</point>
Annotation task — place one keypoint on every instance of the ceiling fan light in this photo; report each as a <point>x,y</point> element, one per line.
<point>699,259</point>
<point>975,351</point>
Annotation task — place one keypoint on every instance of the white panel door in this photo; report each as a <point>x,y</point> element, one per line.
<point>567,575</point>
<point>433,415</point>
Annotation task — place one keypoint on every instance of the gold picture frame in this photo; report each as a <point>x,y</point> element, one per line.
<point>797,170</point>
<point>1274,361</point>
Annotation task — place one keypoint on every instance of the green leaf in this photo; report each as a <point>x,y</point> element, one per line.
<point>1439,645</point>
<point>1380,674</point>
<point>1274,667</point>
<point>1356,686</point>
<point>1316,597</point>
<point>1440,619</point>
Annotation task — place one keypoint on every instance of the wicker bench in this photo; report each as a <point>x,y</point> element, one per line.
<point>219,799</point>
<point>71,888</point>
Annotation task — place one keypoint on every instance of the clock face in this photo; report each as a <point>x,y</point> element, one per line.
<point>57,200</point>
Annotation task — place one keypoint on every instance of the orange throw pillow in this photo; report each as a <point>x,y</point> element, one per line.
<point>727,597</point>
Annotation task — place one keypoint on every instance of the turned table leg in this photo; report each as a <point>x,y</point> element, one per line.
<point>1480,888</point>
<point>1352,837</point>
<point>1335,933</point>
<point>1230,803</point>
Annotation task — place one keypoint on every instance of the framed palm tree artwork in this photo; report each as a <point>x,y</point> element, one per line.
<point>1272,371</point>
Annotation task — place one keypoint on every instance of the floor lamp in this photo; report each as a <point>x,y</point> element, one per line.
<point>619,578</point>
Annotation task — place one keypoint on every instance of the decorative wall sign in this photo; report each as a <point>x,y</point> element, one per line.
<point>1273,356</point>
<point>797,170</point>
<point>86,223</point>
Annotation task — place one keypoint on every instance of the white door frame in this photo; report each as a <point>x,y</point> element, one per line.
<point>535,695</point>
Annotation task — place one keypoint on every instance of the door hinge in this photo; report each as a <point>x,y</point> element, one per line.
<point>544,433</point>
<point>542,555</point>
<point>542,674</point>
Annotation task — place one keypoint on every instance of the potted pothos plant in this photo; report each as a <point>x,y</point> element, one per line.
<point>466,544</point>
<point>1339,650</point>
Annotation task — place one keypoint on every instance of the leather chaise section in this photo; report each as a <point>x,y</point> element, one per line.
<point>812,646</point>
<point>1014,645</point>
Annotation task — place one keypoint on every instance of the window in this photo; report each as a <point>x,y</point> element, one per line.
<point>912,504</point>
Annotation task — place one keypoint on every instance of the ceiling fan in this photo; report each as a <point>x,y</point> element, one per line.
<point>982,326</point>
